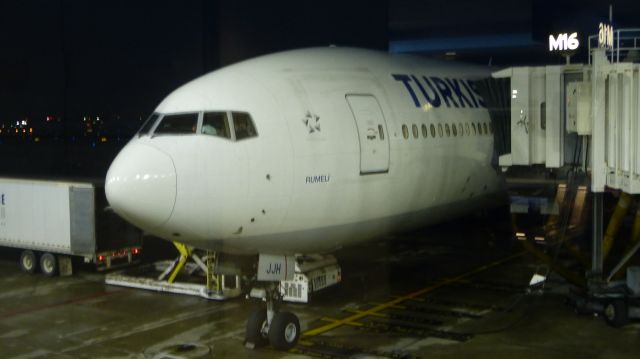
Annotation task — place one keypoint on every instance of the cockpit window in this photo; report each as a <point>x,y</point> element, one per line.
<point>148,124</point>
<point>216,124</point>
<point>243,125</point>
<point>184,123</point>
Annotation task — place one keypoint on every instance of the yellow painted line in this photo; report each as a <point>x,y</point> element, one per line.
<point>332,320</point>
<point>397,306</point>
<point>351,320</point>
<point>373,314</point>
<point>306,343</point>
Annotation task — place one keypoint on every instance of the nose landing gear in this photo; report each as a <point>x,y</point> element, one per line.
<point>284,331</point>
<point>271,326</point>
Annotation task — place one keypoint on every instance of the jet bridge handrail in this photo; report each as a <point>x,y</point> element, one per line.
<point>625,41</point>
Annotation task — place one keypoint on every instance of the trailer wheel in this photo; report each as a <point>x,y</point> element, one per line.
<point>616,313</point>
<point>256,324</point>
<point>284,331</point>
<point>28,262</point>
<point>49,264</point>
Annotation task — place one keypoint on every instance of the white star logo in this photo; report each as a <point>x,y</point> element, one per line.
<point>312,122</point>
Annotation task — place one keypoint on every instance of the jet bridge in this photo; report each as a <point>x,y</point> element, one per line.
<point>552,107</point>
<point>570,128</point>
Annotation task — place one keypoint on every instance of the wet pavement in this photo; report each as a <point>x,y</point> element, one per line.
<point>445,292</point>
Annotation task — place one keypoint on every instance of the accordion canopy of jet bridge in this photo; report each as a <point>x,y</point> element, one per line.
<point>586,115</point>
<point>496,94</point>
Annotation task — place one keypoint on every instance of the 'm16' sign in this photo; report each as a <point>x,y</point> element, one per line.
<point>564,42</point>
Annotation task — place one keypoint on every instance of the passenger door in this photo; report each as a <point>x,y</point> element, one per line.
<point>372,133</point>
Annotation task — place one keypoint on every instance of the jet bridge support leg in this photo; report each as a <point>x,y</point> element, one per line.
<point>576,252</point>
<point>614,223</point>
<point>629,251</point>
<point>616,301</point>
<point>597,257</point>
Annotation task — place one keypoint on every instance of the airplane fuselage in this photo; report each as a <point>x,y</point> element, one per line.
<point>347,145</point>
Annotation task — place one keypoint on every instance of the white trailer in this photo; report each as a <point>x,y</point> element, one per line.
<point>54,220</point>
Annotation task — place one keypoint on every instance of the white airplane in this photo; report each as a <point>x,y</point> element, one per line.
<point>304,152</point>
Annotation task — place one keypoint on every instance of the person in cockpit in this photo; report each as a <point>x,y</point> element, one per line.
<point>209,129</point>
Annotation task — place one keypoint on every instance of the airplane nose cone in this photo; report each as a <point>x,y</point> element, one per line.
<point>141,185</point>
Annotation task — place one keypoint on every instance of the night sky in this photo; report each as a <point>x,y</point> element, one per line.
<point>95,57</point>
<point>76,58</point>
<point>108,58</point>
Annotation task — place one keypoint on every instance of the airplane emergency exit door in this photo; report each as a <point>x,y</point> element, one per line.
<point>372,132</point>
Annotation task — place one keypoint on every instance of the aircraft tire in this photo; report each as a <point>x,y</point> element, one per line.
<point>284,331</point>
<point>256,322</point>
<point>28,262</point>
<point>49,265</point>
<point>616,313</point>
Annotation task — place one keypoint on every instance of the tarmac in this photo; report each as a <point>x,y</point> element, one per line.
<point>449,291</point>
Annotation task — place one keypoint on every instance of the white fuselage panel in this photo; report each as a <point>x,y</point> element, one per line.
<point>351,144</point>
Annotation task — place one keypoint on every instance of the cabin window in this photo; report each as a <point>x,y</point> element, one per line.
<point>433,130</point>
<point>178,124</point>
<point>479,128</point>
<point>148,124</point>
<point>460,129</point>
<point>414,129</point>
<point>424,131</point>
<point>454,130</point>
<point>243,125</point>
<point>215,124</point>
<point>405,131</point>
<point>447,130</point>
<point>467,130</point>
<point>440,130</point>
<point>484,126</point>
<point>474,127</point>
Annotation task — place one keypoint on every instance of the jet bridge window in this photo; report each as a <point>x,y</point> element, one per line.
<point>178,124</point>
<point>148,124</point>
<point>243,125</point>
<point>216,124</point>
